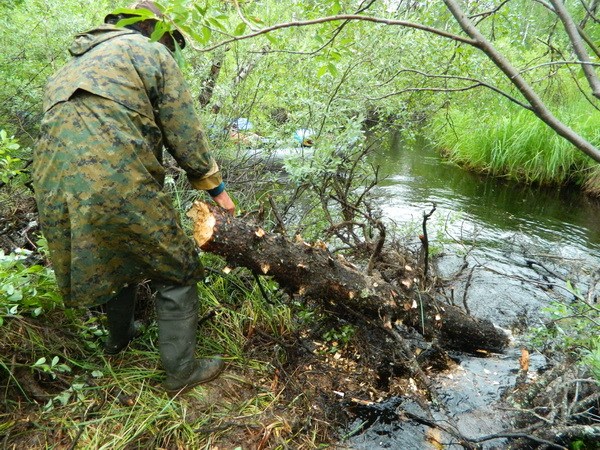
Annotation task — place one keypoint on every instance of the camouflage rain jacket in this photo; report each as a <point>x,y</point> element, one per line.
<point>97,170</point>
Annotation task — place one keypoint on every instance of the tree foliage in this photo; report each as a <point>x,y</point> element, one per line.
<point>397,62</point>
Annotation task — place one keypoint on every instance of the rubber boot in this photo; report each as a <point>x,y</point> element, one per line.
<point>120,324</point>
<point>177,312</point>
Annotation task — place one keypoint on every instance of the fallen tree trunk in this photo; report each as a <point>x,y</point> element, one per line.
<point>312,272</point>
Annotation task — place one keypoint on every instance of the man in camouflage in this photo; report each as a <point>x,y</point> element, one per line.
<point>98,180</point>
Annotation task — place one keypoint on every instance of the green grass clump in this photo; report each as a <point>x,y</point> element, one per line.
<point>514,143</point>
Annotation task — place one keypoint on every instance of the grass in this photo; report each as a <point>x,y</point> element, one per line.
<point>514,143</point>
<point>117,403</point>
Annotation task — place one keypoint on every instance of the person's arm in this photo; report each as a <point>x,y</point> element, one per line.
<point>222,198</point>
<point>184,138</point>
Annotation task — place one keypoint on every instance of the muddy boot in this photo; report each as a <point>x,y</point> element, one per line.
<point>121,327</point>
<point>177,311</point>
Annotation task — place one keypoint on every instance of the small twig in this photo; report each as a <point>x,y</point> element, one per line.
<point>425,242</point>
<point>225,426</point>
<point>207,316</point>
<point>517,435</point>
<point>340,18</point>
<point>432,424</point>
<point>280,228</point>
<point>242,17</point>
<point>262,289</point>
<point>530,263</point>
<point>378,247</point>
<point>467,286</point>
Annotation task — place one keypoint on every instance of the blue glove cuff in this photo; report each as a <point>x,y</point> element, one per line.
<point>216,190</point>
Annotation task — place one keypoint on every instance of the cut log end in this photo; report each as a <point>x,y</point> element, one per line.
<point>204,222</point>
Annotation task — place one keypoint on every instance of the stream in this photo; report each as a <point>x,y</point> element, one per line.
<point>517,246</point>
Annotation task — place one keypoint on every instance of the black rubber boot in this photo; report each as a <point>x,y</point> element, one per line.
<point>120,324</point>
<point>177,311</point>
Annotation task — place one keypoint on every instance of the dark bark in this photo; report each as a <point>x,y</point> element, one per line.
<point>312,272</point>
<point>210,82</point>
<point>578,46</point>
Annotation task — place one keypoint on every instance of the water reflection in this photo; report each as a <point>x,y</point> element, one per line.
<point>417,177</point>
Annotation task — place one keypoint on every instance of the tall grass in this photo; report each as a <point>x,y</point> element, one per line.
<point>512,142</point>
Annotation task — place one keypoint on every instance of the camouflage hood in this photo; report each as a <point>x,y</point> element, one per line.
<point>89,39</point>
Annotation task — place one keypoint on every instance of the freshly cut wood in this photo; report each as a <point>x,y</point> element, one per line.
<point>310,271</point>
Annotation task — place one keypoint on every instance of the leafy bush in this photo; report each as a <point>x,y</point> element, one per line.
<point>10,161</point>
<point>25,289</point>
<point>574,327</point>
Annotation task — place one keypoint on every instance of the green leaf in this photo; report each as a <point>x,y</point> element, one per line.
<point>201,10</point>
<point>332,70</point>
<point>240,29</point>
<point>272,39</point>
<point>192,33</point>
<point>17,296</point>
<point>216,23</point>
<point>206,34</point>
<point>144,13</point>
<point>335,55</point>
<point>335,8</point>
<point>130,20</point>
<point>178,55</point>
<point>63,368</point>
<point>322,71</point>
<point>159,30</point>
<point>40,361</point>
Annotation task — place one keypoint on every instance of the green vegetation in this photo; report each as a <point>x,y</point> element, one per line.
<point>337,79</point>
<point>101,402</point>
<point>505,140</point>
<point>572,329</point>
<point>25,288</point>
<point>10,157</point>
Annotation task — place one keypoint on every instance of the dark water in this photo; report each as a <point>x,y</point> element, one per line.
<point>519,239</point>
<point>417,176</point>
<point>520,244</point>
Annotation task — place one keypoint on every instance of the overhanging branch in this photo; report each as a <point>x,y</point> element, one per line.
<point>337,18</point>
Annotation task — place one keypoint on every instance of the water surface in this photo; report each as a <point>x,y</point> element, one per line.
<point>506,251</point>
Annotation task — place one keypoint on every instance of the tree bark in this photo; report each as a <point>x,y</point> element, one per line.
<point>578,46</point>
<point>313,273</point>
<point>210,82</point>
